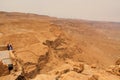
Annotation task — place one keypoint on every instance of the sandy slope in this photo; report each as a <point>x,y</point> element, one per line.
<point>48,48</point>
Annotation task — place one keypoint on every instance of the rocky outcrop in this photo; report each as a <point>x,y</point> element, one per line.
<point>3,69</point>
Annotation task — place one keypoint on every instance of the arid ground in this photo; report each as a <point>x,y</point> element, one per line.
<point>49,48</point>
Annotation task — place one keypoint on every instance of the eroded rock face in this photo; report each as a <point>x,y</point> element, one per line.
<point>116,70</point>
<point>20,77</point>
<point>78,68</point>
<point>117,62</point>
<point>42,46</point>
<point>3,69</point>
<point>94,77</point>
<point>30,70</point>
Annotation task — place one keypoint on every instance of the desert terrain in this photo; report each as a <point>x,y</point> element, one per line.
<point>50,48</point>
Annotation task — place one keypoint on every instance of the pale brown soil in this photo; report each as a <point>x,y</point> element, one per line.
<point>48,48</point>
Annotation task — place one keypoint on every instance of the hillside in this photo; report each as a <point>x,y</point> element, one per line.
<point>60,49</point>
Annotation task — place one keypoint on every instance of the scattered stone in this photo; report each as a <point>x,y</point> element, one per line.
<point>78,68</point>
<point>93,66</point>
